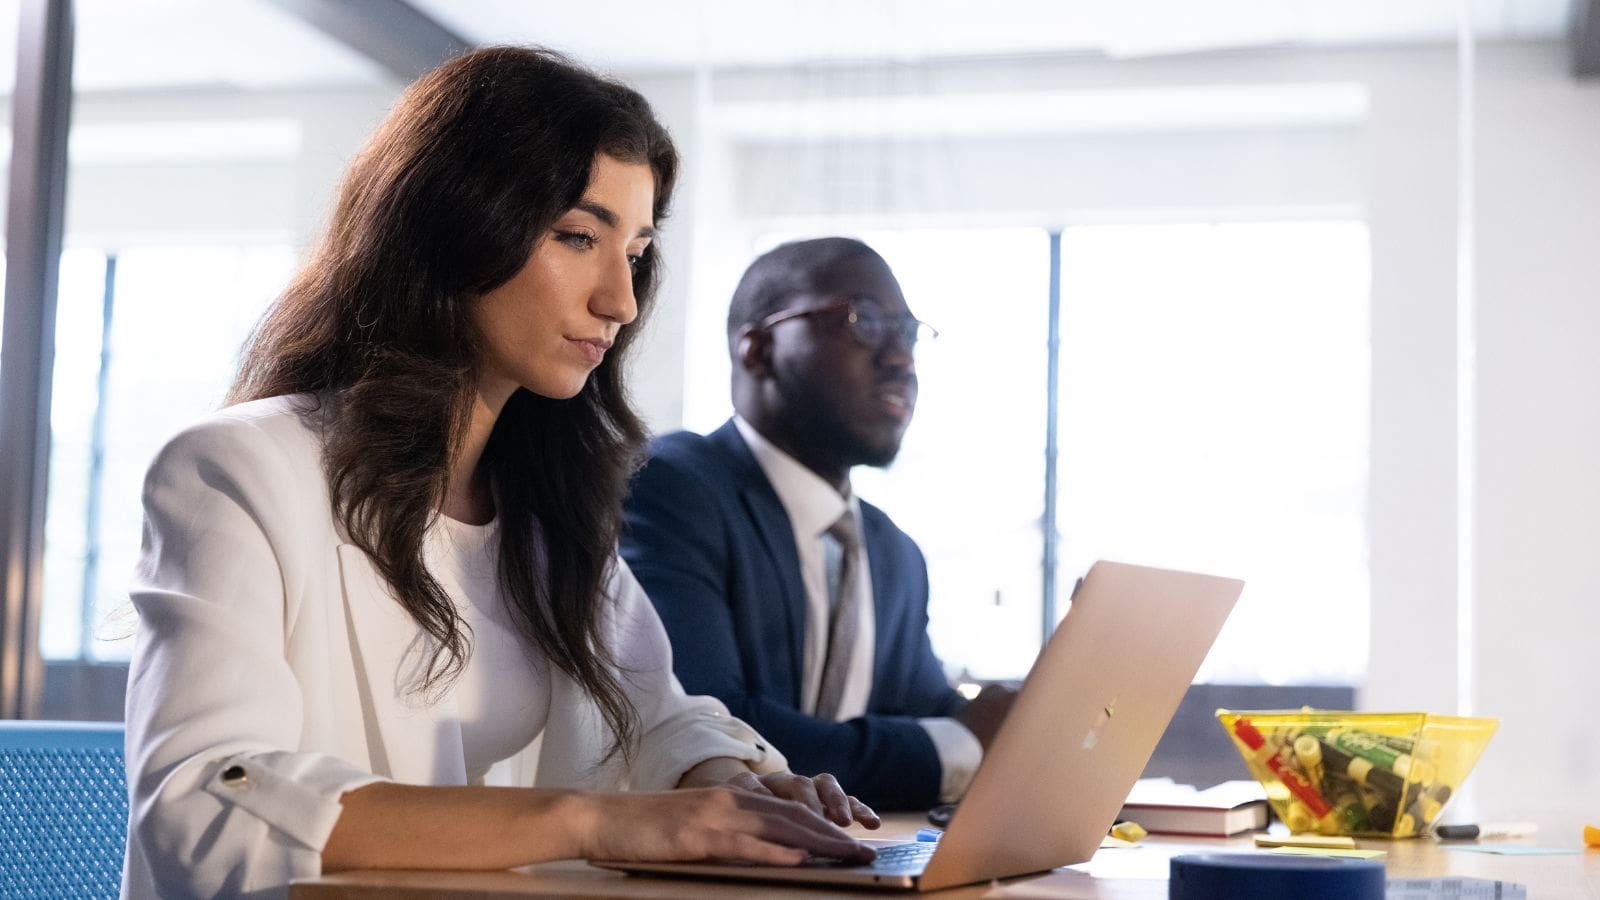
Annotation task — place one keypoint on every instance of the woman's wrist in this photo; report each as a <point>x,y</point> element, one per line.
<point>713,772</point>
<point>576,818</point>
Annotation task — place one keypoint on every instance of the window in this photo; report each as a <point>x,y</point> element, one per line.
<point>1214,417</point>
<point>178,316</point>
<point>968,484</point>
<point>74,452</point>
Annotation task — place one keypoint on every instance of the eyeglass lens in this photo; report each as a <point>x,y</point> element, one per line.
<point>873,327</point>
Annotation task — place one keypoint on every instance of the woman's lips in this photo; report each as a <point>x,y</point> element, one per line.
<point>593,349</point>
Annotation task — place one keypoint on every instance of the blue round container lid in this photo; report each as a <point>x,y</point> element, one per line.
<point>1265,876</point>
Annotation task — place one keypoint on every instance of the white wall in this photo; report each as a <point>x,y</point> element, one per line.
<point>657,372</point>
<point>120,192</point>
<point>1538,226</point>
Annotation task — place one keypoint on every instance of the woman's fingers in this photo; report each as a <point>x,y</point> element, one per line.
<point>822,795</point>
<point>740,820</point>
<point>800,789</point>
<point>864,814</point>
<point>749,781</point>
<point>749,848</point>
<point>835,805</point>
<point>814,835</point>
<point>791,824</point>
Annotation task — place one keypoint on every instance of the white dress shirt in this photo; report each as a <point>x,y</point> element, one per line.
<point>813,505</point>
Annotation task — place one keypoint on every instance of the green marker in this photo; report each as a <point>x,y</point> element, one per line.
<point>1362,744</point>
<point>1362,771</point>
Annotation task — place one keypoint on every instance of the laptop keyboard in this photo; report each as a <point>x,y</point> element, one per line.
<point>904,857</point>
<point>896,859</point>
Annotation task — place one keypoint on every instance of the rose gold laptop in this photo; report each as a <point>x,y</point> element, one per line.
<point>1078,735</point>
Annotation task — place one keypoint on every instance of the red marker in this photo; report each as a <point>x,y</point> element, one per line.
<point>1294,781</point>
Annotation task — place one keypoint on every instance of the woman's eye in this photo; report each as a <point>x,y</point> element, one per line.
<point>635,260</point>
<point>576,239</point>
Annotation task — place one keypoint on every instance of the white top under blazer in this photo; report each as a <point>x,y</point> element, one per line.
<point>270,672</point>
<point>502,694</point>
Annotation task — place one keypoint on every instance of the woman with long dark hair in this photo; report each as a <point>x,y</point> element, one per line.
<point>385,578</point>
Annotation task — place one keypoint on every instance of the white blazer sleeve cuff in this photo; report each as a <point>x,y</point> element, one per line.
<point>675,747</point>
<point>296,794</point>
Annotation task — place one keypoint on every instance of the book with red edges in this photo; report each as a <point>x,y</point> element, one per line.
<point>1162,807</point>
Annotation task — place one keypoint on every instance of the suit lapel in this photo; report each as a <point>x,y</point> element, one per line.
<point>771,523</point>
<point>412,742</point>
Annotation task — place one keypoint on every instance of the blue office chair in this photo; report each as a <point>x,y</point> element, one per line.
<point>63,809</point>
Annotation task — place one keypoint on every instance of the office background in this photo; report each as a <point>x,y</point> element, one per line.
<point>1321,276</point>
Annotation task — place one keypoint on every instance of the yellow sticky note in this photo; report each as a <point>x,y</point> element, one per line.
<point>1324,851</point>
<point>1321,841</point>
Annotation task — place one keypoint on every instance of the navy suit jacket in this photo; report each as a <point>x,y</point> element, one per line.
<point>708,538</point>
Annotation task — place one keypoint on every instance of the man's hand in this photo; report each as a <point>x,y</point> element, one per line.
<point>983,714</point>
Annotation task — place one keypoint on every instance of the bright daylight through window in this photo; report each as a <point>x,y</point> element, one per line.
<point>1213,416</point>
<point>178,316</point>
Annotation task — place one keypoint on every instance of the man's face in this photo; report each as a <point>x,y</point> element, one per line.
<point>845,395</point>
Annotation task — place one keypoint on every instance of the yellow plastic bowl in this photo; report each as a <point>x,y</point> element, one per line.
<point>1367,774</point>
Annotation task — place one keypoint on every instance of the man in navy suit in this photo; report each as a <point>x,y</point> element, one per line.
<point>802,608</point>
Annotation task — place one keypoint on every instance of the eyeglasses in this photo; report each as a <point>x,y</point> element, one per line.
<point>866,320</point>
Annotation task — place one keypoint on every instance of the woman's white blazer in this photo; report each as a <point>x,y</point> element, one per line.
<point>270,666</point>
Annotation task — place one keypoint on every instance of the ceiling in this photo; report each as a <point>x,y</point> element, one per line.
<point>649,34</point>
<point>176,44</point>
<point>255,44</point>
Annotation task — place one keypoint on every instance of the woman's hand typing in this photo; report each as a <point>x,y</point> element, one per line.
<point>729,823</point>
<point>822,794</point>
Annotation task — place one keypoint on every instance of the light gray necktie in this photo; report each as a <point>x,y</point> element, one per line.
<point>843,567</point>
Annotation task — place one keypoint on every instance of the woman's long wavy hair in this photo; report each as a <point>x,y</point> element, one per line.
<point>445,203</point>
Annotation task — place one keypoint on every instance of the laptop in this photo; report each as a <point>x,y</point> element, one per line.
<point>1078,736</point>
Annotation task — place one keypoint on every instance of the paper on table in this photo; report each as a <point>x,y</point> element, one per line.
<point>1460,888</point>
<point>1511,849</point>
<point>1078,886</point>
<point>1329,851</point>
<point>1322,841</point>
<point>1142,861</point>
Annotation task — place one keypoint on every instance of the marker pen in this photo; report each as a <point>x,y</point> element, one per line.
<point>1366,746</point>
<point>1362,771</point>
<point>1294,781</point>
<point>1488,830</point>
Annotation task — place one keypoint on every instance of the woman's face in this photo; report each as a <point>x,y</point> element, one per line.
<point>550,326</point>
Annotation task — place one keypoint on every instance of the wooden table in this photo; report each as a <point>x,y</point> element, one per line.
<point>1112,875</point>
